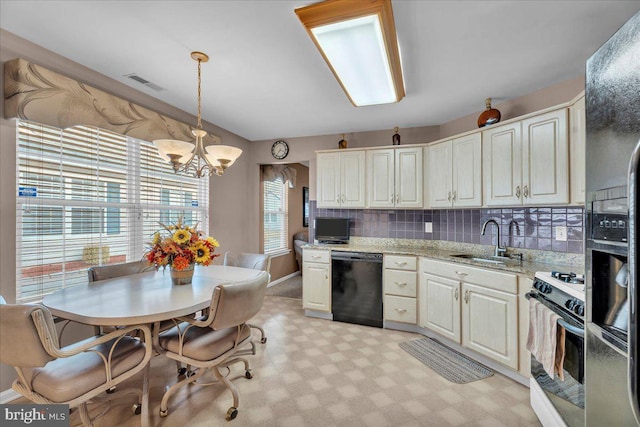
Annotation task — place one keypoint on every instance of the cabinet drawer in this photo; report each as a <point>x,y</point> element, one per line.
<point>400,309</point>
<point>399,282</point>
<point>500,281</point>
<point>397,262</point>
<point>316,255</point>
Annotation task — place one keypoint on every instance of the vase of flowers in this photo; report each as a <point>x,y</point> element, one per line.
<point>180,247</point>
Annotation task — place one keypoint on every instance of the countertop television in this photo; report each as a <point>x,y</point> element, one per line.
<point>332,230</point>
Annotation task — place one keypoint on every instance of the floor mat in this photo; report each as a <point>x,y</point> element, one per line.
<point>447,362</point>
<point>290,288</point>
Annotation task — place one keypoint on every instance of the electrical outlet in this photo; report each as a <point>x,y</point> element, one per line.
<point>561,233</point>
<point>428,227</point>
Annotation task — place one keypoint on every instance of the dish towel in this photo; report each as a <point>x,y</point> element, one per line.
<point>546,339</point>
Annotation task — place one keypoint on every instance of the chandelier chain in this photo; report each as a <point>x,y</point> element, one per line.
<point>199,96</point>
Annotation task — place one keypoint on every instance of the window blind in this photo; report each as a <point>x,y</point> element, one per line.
<point>275,216</point>
<point>87,196</point>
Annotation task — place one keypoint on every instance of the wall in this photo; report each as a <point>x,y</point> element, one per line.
<point>229,214</point>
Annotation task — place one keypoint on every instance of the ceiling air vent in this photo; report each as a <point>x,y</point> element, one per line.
<point>147,83</point>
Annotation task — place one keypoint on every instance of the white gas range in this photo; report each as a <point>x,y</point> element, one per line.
<point>556,402</point>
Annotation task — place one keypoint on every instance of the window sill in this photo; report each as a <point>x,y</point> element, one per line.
<point>279,253</point>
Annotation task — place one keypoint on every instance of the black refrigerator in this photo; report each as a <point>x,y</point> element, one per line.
<point>611,265</point>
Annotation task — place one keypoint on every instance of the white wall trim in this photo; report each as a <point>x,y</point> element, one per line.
<point>282,279</point>
<point>9,396</point>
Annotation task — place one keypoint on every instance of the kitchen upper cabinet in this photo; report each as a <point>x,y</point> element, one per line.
<point>341,179</point>
<point>455,172</point>
<point>490,323</point>
<point>577,143</point>
<point>526,162</point>
<point>395,178</point>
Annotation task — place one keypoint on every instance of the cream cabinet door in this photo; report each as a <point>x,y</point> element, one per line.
<point>408,177</point>
<point>381,172</point>
<point>577,142</point>
<point>490,323</point>
<point>328,180</point>
<point>439,172</point>
<point>352,179</point>
<point>545,168</point>
<point>316,286</point>
<point>467,171</point>
<point>502,165</point>
<point>440,305</point>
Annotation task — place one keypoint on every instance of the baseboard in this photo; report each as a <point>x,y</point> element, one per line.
<point>9,396</point>
<point>282,279</point>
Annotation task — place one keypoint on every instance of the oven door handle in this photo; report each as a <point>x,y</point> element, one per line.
<point>570,328</point>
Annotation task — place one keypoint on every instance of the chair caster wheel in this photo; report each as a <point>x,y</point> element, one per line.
<point>248,375</point>
<point>232,413</point>
<point>111,390</point>
<point>182,371</point>
<point>263,340</point>
<point>191,373</point>
<point>164,412</point>
<point>136,409</point>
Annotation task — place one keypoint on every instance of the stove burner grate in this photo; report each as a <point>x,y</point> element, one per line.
<point>568,277</point>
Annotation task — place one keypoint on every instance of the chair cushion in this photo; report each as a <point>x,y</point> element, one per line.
<point>203,344</point>
<point>65,379</point>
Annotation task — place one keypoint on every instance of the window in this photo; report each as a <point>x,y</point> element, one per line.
<point>275,216</point>
<point>87,197</point>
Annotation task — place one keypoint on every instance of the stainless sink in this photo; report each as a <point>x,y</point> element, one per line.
<point>478,258</point>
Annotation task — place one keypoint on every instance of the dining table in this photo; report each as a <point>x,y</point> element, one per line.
<point>144,298</point>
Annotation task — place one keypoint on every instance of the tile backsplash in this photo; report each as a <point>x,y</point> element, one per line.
<point>529,228</point>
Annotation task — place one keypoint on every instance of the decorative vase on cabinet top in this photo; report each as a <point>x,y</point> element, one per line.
<point>489,116</point>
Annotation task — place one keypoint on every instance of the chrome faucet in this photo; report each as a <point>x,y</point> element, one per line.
<point>499,250</point>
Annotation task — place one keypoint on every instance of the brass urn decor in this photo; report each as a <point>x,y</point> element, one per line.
<point>343,142</point>
<point>489,116</point>
<point>396,136</point>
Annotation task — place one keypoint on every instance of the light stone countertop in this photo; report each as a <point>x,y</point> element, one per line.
<point>533,260</point>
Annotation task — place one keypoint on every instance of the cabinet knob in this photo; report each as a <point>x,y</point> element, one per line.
<point>455,294</point>
<point>401,310</point>
<point>461,273</point>
<point>343,198</point>
<point>401,283</point>
<point>526,191</point>
<point>466,296</point>
<point>397,198</point>
<point>449,196</point>
<point>518,191</point>
<point>391,199</point>
<point>401,263</point>
<point>454,196</point>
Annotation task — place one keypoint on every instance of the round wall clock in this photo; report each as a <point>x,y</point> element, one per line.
<point>279,150</point>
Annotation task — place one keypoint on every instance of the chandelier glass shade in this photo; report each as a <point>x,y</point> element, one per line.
<point>196,159</point>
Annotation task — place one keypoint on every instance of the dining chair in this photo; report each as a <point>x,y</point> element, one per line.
<point>254,261</point>
<point>111,271</point>
<point>218,340</point>
<point>48,373</point>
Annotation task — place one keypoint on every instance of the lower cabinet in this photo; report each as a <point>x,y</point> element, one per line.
<point>316,280</point>
<point>490,323</point>
<point>400,289</point>
<point>475,307</point>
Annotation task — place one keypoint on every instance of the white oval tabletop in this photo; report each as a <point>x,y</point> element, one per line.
<point>142,298</point>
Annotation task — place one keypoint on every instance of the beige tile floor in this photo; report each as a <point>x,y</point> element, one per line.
<point>314,372</point>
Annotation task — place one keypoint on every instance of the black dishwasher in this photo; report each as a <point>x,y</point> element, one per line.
<point>356,288</point>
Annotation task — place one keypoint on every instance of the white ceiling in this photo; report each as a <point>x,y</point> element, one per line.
<point>267,80</point>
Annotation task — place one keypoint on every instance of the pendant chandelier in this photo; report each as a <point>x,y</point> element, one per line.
<point>198,160</point>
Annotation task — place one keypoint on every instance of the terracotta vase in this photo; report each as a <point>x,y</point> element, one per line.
<point>489,116</point>
<point>182,277</point>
